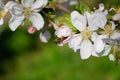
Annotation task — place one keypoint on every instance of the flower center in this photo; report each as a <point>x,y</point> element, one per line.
<point>108,30</point>
<point>27,11</point>
<point>3,13</point>
<point>86,34</point>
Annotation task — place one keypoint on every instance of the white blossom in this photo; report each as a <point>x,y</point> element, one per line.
<point>109,37</point>
<point>87,34</point>
<point>63,32</point>
<point>27,10</point>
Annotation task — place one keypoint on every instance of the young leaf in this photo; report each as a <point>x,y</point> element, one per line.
<point>65,20</point>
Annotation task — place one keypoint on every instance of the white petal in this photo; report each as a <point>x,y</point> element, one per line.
<point>111,57</point>
<point>115,35</point>
<point>17,10</point>
<point>75,42</point>
<point>86,49</point>
<point>10,4</point>
<point>27,3</point>
<point>78,20</point>
<point>116,17</point>
<point>94,36</point>
<point>45,36</point>
<point>1,21</point>
<point>37,20</point>
<point>106,50</point>
<point>105,12</point>
<point>90,21</point>
<point>15,22</point>
<point>67,40</point>
<point>113,25</point>
<point>101,7</point>
<point>99,44</point>
<point>98,21</point>
<point>39,4</point>
<point>94,53</point>
<point>14,8</point>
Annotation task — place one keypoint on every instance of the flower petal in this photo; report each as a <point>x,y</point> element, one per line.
<point>101,7</point>
<point>115,35</point>
<point>90,21</point>
<point>78,20</point>
<point>1,21</point>
<point>75,42</point>
<point>14,8</point>
<point>111,57</point>
<point>116,17</point>
<point>99,44</point>
<point>98,20</point>
<point>17,10</point>
<point>113,25</point>
<point>27,3</point>
<point>94,36</point>
<point>86,49</point>
<point>10,4</point>
<point>45,36</point>
<point>38,5</point>
<point>94,53</point>
<point>37,20</point>
<point>15,22</point>
<point>105,52</point>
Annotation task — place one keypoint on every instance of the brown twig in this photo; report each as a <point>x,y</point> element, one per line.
<point>59,6</point>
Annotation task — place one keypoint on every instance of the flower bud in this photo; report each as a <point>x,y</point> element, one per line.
<point>31,29</point>
<point>63,31</point>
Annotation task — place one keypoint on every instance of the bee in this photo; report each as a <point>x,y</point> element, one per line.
<point>59,40</point>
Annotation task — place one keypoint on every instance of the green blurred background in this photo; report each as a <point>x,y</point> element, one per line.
<point>24,57</point>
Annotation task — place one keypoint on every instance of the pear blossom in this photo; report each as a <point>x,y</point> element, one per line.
<point>110,36</point>
<point>63,32</point>
<point>27,10</point>
<point>83,40</point>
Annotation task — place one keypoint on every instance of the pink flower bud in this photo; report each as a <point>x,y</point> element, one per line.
<point>63,31</point>
<point>31,29</point>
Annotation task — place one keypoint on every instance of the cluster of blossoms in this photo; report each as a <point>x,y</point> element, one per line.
<point>23,11</point>
<point>95,35</point>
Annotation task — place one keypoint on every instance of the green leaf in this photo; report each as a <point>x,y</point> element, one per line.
<point>65,20</point>
<point>82,7</point>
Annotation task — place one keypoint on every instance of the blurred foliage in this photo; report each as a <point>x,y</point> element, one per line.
<point>81,7</point>
<point>24,57</point>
